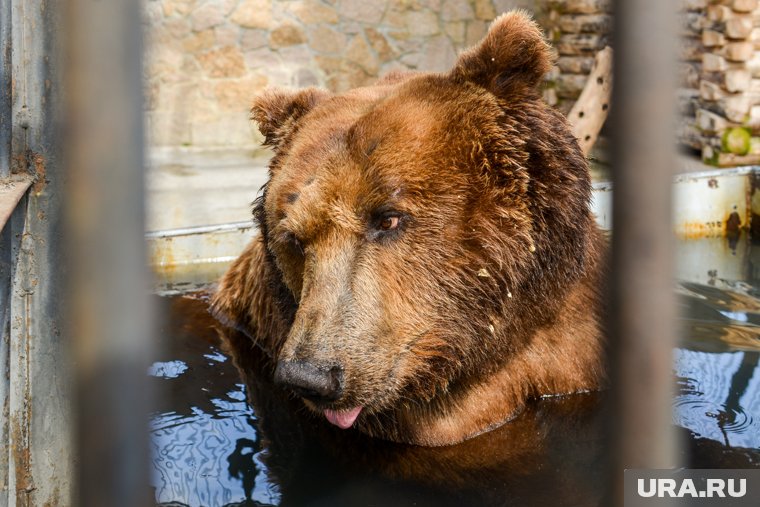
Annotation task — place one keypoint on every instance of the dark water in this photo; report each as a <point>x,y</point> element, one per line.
<point>205,446</point>
<point>211,449</point>
<point>717,366</point>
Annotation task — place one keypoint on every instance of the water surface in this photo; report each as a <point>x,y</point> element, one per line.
<point>211,448</point>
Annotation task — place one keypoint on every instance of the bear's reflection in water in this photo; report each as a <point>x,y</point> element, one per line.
<point>551,454</point>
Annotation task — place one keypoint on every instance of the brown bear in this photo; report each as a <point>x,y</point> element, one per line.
<point>427,260</point>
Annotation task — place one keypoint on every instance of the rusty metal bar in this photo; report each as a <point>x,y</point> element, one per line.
<point>6,259</point>
<point>39,453</point>
<point>643,317</point>
<point>5,87</point>
<point>105,234</point>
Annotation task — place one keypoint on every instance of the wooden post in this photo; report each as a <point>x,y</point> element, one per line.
<point>590,111</point>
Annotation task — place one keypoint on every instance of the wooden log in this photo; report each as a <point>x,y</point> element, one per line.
<point>753,65</point>
<point>744,5</point>
<point>731,160</point>
<point>590,111</point>
<point>692,5</point>
<point>689,135</point>
<point>714,124</point>
<point>687,102</point>
<point>754,38</point>
<point>732,55</point>
<point>754,115</point>
<point>739,51</point>
<point>711,140</point>
<point>713,63</point>
<point>707,121</point>
<point>719,13</point>
<point>688,75</point>
<point>692,23</point>
<point>585,23</point>
<point>575,64</point>
<point>710,91</point>
<point>737,80</point>
<point>582,6</point>
<point>738,27</point>
<point>734,109</point>
<point>711,38</point>
<point>581,44</point>
<point>690,49</point>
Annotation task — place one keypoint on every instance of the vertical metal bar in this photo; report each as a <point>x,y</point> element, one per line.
<point>5,87</point>
<point>39,408</point>
<point>109,279</point>
<point>5,243</point>
<point>643,322</point>
<point>9,248</point>
<point>5,292</point>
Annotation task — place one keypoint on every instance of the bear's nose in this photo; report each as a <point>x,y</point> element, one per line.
<point>315,382</point>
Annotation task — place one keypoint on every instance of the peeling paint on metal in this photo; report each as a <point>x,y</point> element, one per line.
<point>37,163</point>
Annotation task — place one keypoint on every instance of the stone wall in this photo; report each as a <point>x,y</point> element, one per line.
<point>206,59</point>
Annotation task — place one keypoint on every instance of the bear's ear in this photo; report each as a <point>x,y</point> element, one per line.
<point>512,58</point>
<point>277,111</point>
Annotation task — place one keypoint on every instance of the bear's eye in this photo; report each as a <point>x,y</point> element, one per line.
<point>389,223</point>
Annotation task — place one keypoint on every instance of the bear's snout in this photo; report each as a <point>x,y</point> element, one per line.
<point>317,383</point>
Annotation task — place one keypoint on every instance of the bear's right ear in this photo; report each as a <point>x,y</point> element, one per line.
<point>511,59</point>
<point>277,111</point>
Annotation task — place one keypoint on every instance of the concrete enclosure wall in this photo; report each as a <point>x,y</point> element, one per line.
<point>206,59</point>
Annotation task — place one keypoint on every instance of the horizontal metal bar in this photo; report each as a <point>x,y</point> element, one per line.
<point>202,229</point>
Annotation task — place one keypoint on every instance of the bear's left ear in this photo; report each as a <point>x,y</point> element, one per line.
<point>277,111</point>
<point>512,58</point>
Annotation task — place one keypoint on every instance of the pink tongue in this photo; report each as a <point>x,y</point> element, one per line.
<point>343,419</point>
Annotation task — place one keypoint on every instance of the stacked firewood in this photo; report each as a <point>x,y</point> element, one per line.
<point>578,29</point>
<point>720,80</point>
<point>692,20</point>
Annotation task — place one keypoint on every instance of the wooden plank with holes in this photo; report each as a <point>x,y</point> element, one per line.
<point>590,111</point>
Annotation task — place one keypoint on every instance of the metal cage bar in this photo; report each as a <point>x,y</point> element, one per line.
<point>643,312</point>
<point>39,451</point>
<point>111,330</point>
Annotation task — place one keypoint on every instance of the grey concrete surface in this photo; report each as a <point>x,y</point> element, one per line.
<point>188,187</point>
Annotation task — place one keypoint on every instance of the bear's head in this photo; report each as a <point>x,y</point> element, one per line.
<point>418,231</point>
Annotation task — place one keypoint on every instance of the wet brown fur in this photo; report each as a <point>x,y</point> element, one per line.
<point>489,292</point>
